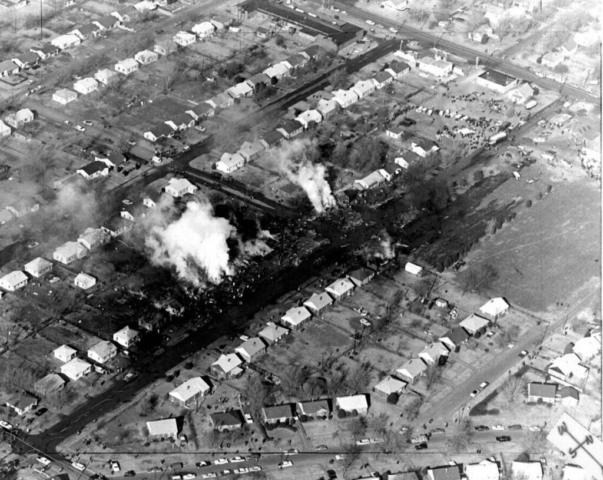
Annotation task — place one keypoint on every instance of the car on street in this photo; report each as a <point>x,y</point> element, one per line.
<point>248,418</point>
<point>421,446</point>
<point>220,461</point>
<point>176,477</point>
<point>255,468</point>
<point>130,473</point>
<point>340,457</point>
<point>364,441</point>
<point>482,428</point>
<point>514,427</point>
<point>125,201</point>
<point>370,22</point>
<point>484,384</point>
<point>237,459</point>
<point>291,451</point>
<point>437,430</point>
<point>223,473</point>
<point>497,427</point>
<point>44,461</point>
<point>32,245</point>
<point>474,393</point>
<point>534,428</point>
<point>393,30</point>
<point>286,464</point>
<point>78,466</point>
<point>241,471</point>
<point>523,353</point>
<point>189,476</point>
<point>320,448</point>
<point>504,438</point>
<point>203,464</point>
<point>79,128</point>
<point>209,475</point>
<point>87,122</point>
<point>115,467</point>
<point>67,122</point>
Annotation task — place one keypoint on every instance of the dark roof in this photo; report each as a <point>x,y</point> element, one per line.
<point>227,419</point>
<point>290,126</point>
<point>392,168</point>
<point>497,77</point>
<point>315,406</point>
<point>272,137</point>
<point>397,130</point>
<point>28,57</point>
<point>383,76</point>
<point>8,66</point>
<point>350,27</point>
<point>546,390</point>
<point>93,167</point>
<point>181,118</point>
<point>424,143</point>
<point>259,78</point>
<point>108,21</point>
<point>116,157</point>
<point>278,411</point>
<point>296,60</point>
<point>565,392</point>
<point>399,66</point>
<point>161,130</point>
<point>47,48</point>
<point>202,108</point>
<point>342,38</point>
<point>115,223</point>
<point>456,335</point>
<point>312,50</point>
<point>361,273</point>
<point>446,473</point>
<point>88,28</point>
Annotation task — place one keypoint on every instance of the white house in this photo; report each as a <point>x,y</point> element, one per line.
<point>227,366</point>
<point>272,333</point>
<point>277,71</point>
<point>340,288</point>
<point>8,67</point>
<point>373,179</point>
<point>294,317</point>
<point>13,281</point>
<point>189,392</point>
<point>474,324</point>
<point>424,146</point>
<point>588,347</point>
<point>345,98</point>
<point>363,88</point>
<point>494,308</point>
<point>397,69</point>
<point>388,386</point>
<point>76,369</point>
<point>5,130</point>
<point>432,354</point>
<point>38,267</point>
<point>20,118</point>
<point>66,41</point>
<point>184,38</point>
<point>251,349</point>
<point>242,89</point>
<point>165,48</point>
<point>251,150</point>
<point>327,107</point>
<point>527,470</point>
<point>102,352</point>
<point>84,281</point>
<point>86,86</point>
<point>64,353</point>
<point>178,187</point>
<point>412,370</point>
<point>309,117</point>
<point>93,237</point>
<point>203,29</point>
<point>106,76</point>
<point>127,66</point>
<point>145,57</point>
<point>229,162</point>
<point>318,302</point>
<point>414,269</point>
<point>126,337</point>
<point>351,404</point>
<point>64,96</point>
<point>167,428</point>
<point>484,470</point>
<point>68,252</point>
<point>383,78</point>
<point>521,94</point>
<point>436,67</point>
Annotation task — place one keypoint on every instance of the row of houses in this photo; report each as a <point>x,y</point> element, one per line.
<point>15,120</point>
<point>38,267</point>
<point>488,469</point>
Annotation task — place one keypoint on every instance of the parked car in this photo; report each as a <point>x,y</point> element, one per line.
<point>482,428</point>
<point>203,464</point>
<point>514,427</point>
<point>497,427</point>
<point>504,438</point>
<point>286,464</point>
<point>421,446</point>
<point>484,384</point>
<point>130,473</point>
<point>209,475</point>
<point>474,393</point>
<point>78,466</point>
<point>220,461</point>
<point>87,122</point>
<point>79,128</point>
<point>44,461</point>
<point>189,476</point>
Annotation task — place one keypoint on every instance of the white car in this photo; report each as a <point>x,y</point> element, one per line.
<point>5,425</point>
<point>393,30</point>
<point>292,451</point>
<point>236,460</point>
<point>535,429</point>
<point>189,476</point>
<point>370,22</point>
<point>497,427</point>
<point>78,466</point>
<point>209,475</point>
<point>340,457</point>
<point>364,441</point>
<point>242,470</point>
<point>79,128</point>
<point>257,468</point>
<point>484,384</point>
<point>115,467</point>
<point>44,461</point>
<point>176,477</point>
<point>220,461</point>
<point>248,418</point>
<point>286,464</point>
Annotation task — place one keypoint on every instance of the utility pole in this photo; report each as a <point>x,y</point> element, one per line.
<point>41,19</point>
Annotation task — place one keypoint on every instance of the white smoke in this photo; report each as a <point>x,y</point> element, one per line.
<point>291,158</point>
<point>255,248</point>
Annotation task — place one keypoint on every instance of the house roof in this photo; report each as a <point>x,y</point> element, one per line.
<point>85,279</point>
<point>424,143</point>
<point>259,78</point>
<point>363,86</point>
<point>390,385</point>
<point>168,427</point>
<point>383,76</point>
<point>128,62</point>
<point>484,470</point>
<point>273,332</point>
<point>413,367</point>
<point>180,184</point>
<point>75,367</point>
<point>456,336</point>
<point>319,300</point>
<point>290,126</point>
<point>360,274</point>
<point>345,95</point>
<point>447,472</point>
<point>103,348</point>
<point>251,346</point>
<point>530,470</point>
<point>545,390</point>
<point>105,74</point>
<point>126,334</point>
<point>47,49</point>
<point>312,50</point>
<point>568,392</point>
<point>93,167</point>
<point>569,364</point>
<point>296,315</point>
<point>524,90</point>
<point>116,223</point>
<point>435,350</point>
<point>240,89</point>
<point>276,70</point>
<point>49,383</point>
<point>229,362</point>
<point>161,130</point>
<point>250,149</point>
<point>497,77</point>
<point>396,129</point>
<point>272,137</point>
<point>202,109</point>
<point>310,408</point>
<point>474,322</point>
<point>108,21</point>
<point>92,236</point>
<point>87,28</point>
<point>227,419</point>
<point>28,57</point>
<point>340,286</point>
<point>14,278</point>
<point>65,93</point>
<point>8,66</point>
<point>38,264</point>
<point>310,116</point>
<point>353,402</point>
<point>189,389</point>
<point>327,105</point>
<point>587,347</point>
<point>86,83</point>
<point>21,400</point>
<point>278,411</point>
<point>399,67</point>
<point>64,351</point>
<point>70,248</point>
<point>494,306</point>
<point>229,160</point>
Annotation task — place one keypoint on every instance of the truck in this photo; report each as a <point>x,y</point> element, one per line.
<point>504,126</point>
<point>420,439</point>
<point>499,137</point>
<point>531,104</point>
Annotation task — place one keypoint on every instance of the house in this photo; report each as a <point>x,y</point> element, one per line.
<point>389,386</point>
<point>395,131</point>
<point>229,162</point>
<point>474,325</point>
<point>48,384</point>
<point>93,237</point>
<point>45,51</point>
<point>251,349</point>
<point>290,128</point>
<point>446,472</point>
<point>542,392</point>
<point>263,32</point>
<point>181,121</point>
<point>203,29</point>
<point>587,347</point>
<point>424,146</point>
<point>573,472</point>
<point>167,428</point>
<point>165,48</point>
<point>481,34</point>
<point>317,410</point>
<point>361,276</point>
<point>318,303</point>
<point>484,470</point>
<point>552,59</point>
<point>93,170</point>
<point>5,130</point>
<point>179,187</point>
<point>250,151</point>
<point>13,281</point>
<point>294,317</point>
<point>296,61</point>
<point>373,179</point>
<point>184,39</point>
<point>158,131</point>
<point>21,403</point>
<point>412,370</point>
<point>126,337</point>
<point>69,252</point>
<point>397,69</point>
<point>401,476</point>
<point>453,339</point>
<point>221,100</point>
<point>327,107</point>
<point>363,88</point>
<point>390,171</point>
<point>568,396</point>
<point>86,31</point>
<point>434,354</point>
<point>64,96</point>
<point>527,470</point>
<point>106,77</point>
<point>340,289</point>
<point>117,225</point>
<point>8,67</point>
<point>227,366</point>
<point>106,22</point>
<point>153,323</point>
<point>381,79</point>
<point>242,89</point>
<point>66,41</point>
<point>76,369</point>
<point>129,213</point>
<point>434,66</point>
<point>188,394</point>
<point>26,60</point>
<point>395,4</point>
<point>277,414</point>
<point>23,207</point>
<point>345,98</point>
<point>127,66</point>
<point>414,269</point>
<point>84,281</point>
<point>102,352</point>
<point>277,71</point>
<point>64,353</point>
<point>20,118</point>
<point>309,118</point>
<point>353,405</point>
<point>496,81</point>
<point>145,57</point>
<point>272,333</point>
<point>203,110</point>
<point>521,94</point>
<point>494,308</point>
<point>409,157</point>
<point>86,86</point>
<point>567,369</point>
<point>227,421</point>
<point>258,79</point>
<point>154,199</point>
<point>271,139</point>
<point>38,267</point>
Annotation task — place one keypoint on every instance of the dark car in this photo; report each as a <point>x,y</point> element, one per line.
<point>482,428</point>
<point>130,473</point>
<point>514,427</point>
<point>421,446</point>
<point>504,438</point>
<point>332,474</point>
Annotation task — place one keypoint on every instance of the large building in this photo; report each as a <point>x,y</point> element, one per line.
<point>497,81</point>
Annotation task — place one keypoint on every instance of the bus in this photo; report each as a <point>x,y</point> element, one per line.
<point>499,137</point>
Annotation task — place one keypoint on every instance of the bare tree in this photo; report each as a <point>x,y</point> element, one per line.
<point>508,336</point>
<point>352,454</point>
<point>379,424</point>
<point>513,389</point>
<point>480,277</point>
<point>413,408</point>
<point>338,78</point>
<point>256,393</point>
<point>433,376</point>
<point>360,377</point>
<point>358,426</point>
